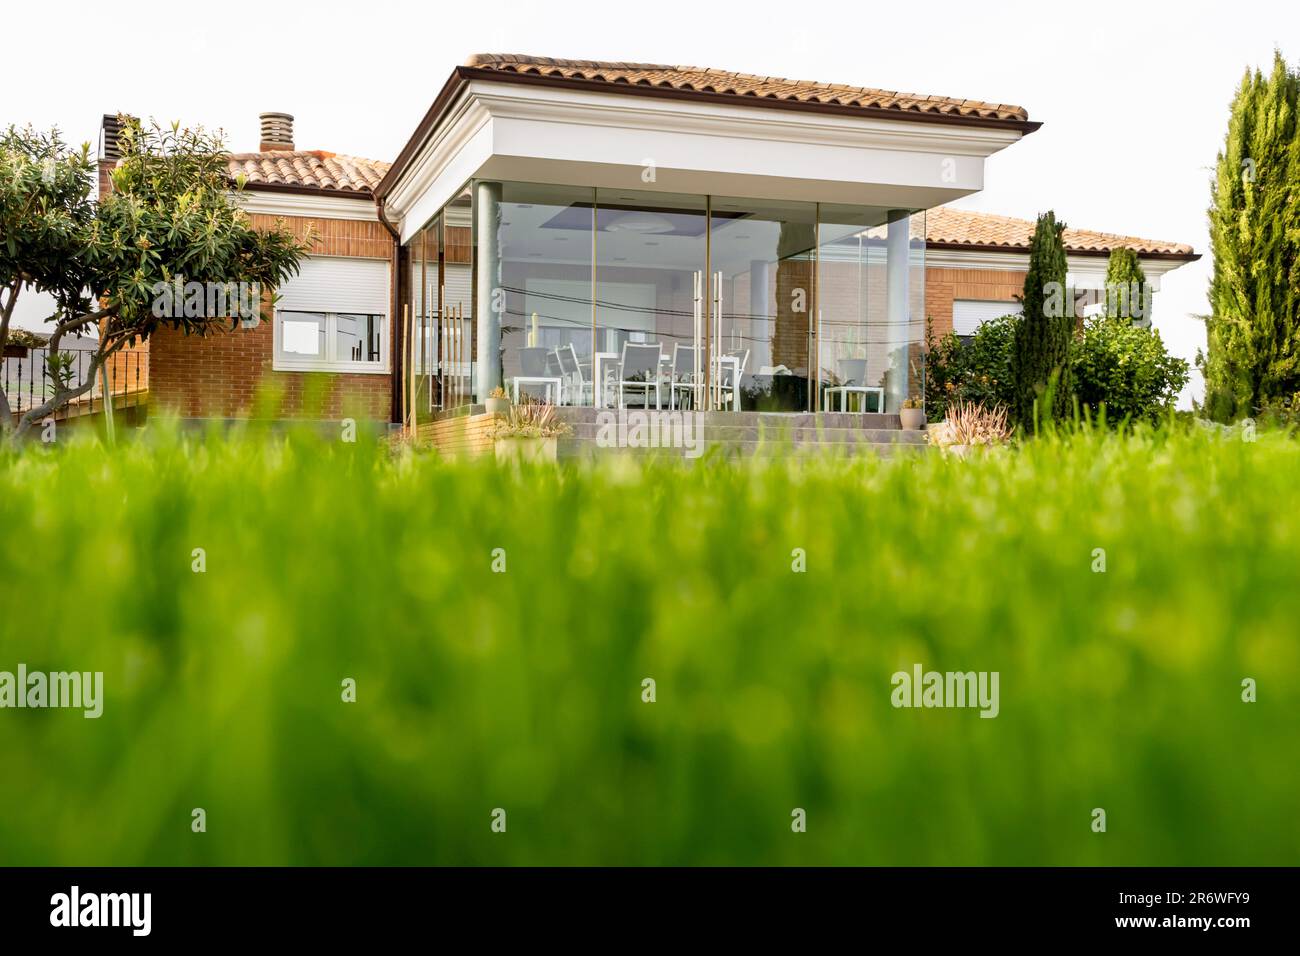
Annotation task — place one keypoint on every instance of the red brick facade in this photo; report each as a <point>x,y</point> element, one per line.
<point>945,286</point>
<point>230,374</point>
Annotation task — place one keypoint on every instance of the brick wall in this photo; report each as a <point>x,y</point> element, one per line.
<point>223,374</point>
<point>944,286</point>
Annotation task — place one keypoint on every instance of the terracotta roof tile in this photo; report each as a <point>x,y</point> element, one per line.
<point>326,171</point>
<point>705,79</point>
<point>943,226</point>
<point>960,227</point>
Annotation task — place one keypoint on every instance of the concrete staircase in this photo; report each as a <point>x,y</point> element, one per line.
<point>741,434</point>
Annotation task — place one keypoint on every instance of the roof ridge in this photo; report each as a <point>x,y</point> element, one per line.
<point>749,85</point>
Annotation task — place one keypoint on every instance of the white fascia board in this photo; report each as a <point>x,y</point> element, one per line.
<point>1083,272</point>
<point>457,150</point>
<point>310,206</point>
<point>512,131</point>
<point>611,139</point>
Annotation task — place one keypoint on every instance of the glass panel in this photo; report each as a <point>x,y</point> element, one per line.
<point>761,297</point>
<point>412,316</point>
<point>357,338</point>
<point>457,330</point>
<point>650,257</point>
<point>871,307</point>
<point>544,252</point>
<point>430,396</point>
<point>302,334</point>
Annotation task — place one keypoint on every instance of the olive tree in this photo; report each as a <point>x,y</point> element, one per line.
<point>169,224</point>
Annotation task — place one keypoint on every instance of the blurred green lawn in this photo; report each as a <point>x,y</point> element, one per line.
<point>522,690</point>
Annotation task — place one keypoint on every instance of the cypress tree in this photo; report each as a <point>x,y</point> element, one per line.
<point>1126,287</point>
<point>1253,330</point>
<point>1040,358</point>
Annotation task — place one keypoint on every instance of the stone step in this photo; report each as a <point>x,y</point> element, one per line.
<point>805,435</point>
<point>571,449</point>
<point>788,419</point>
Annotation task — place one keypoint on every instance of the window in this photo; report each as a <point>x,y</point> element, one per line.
<point>969,314</point>
<point>333,316</point>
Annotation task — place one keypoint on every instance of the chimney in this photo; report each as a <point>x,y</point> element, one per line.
<point>277,132</point>
<point>110,150</point>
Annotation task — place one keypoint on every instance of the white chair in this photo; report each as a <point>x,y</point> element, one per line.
<point>639,369</point>
<point>571,372</point>
<point>728,369</point>
<point>682,376</point>
<point>539,366</point>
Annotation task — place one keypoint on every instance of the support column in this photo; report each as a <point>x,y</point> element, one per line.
<point>489,298</point>
<point>897,272</point>
<point>760,309</point>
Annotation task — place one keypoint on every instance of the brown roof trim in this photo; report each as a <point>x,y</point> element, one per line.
<point>993,247</point>
<point>463,74</point>
<point>309,190</point>
<point>450,90</point>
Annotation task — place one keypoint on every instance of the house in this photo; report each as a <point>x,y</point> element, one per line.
<point>607,233</point>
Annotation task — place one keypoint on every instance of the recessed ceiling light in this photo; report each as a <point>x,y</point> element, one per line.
<point>646,223</point>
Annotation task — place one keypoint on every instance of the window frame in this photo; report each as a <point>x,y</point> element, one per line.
<point>285,362</point>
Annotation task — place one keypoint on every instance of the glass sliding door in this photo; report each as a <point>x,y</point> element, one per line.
<point>542,299</point>
<point>650,276</point>
<point>455,247</point>
<point>760,301</point>
<point>871,295</point>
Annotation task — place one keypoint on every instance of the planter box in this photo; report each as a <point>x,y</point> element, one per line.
<point>525,449</point>
<point>497,406</point>
<point>15,351</point>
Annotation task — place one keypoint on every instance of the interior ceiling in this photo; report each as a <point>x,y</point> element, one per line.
<point>660,236</point>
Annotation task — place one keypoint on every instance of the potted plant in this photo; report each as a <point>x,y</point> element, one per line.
<point>970,426</point>
<point>528,432</point>
<point>498,402</point>
<point>912,414</point>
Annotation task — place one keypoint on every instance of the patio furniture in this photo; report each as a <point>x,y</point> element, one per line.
<point>853,376</point>
<point>682,377</point>
<point>639,369</point>
<point>571,375</point>
<point>538,366</point>
<point>728,381</point>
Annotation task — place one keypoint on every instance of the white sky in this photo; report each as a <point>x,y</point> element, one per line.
<point>1133,95</point>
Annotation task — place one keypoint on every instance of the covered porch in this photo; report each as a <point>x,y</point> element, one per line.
<point>565,241</point>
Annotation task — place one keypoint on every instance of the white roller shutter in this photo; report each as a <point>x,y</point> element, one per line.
<point>334,284</point>
<point>969,314</point>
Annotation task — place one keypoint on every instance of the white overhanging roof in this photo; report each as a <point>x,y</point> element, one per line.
<point>541,134</point>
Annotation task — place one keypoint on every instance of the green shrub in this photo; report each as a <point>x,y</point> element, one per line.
<point>976,371</point>
<point>1127,369</point>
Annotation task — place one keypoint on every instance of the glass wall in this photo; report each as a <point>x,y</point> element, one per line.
<point>584,296</point>
<point>650,270</point>
<point>762,261</point>
<point>542,296</point>
<point>456,318</point>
